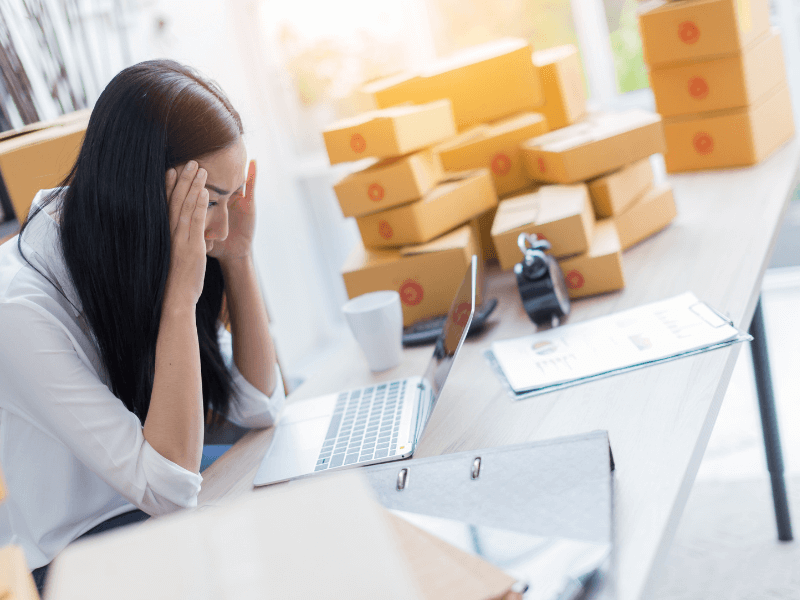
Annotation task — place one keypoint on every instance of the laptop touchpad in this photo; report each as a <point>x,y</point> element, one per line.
<point>294,449</point>
<point>308,409</point>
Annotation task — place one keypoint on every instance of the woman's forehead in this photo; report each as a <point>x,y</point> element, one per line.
<point>226,167</point>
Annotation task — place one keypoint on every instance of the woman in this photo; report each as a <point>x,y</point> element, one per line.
<point>112,351</point>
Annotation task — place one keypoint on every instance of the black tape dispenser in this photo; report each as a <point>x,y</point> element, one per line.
<point>541,282</point>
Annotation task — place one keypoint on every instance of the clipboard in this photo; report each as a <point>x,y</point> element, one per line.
<point>560,489</point>
<point>549,358</point>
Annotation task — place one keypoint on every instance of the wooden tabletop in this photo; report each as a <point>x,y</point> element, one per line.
<point>659,419</point>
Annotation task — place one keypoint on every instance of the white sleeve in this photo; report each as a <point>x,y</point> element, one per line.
<point>57,390</point>
<point>254,409</point>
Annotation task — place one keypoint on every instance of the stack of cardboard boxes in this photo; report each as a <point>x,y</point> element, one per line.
<point>518,121</point>
<point>598,198</point>
<point>496,146</point>
<point>404,205</point>
<point>717,72</point>
<point>420,209</point>
<point>16,582</point>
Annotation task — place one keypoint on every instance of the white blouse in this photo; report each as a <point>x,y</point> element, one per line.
<point>71,453</point>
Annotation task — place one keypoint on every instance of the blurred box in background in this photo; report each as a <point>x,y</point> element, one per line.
<point>561,75</point>
<point>674,32</point>
<point>458,199</point>
<point>649,215</point>
<point>561,214</point>
<point>389,132</point>
<point>496,148</point>
<point>389,182</point>
<point>728,82</point>
<point>613,193</point>
<point>484,233</point>
<point>426,276</point>
<point>39,159</point>
<point>600,269</point>
<point>729,138</point>
<point>485,83</point>
<point>597,145</point>
<point>16,582</point>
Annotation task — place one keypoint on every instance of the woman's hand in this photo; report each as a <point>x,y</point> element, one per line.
<point>241,224</point>
<point>188,203</point>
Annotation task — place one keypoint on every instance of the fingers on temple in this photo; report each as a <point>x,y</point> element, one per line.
<point>191,200</point>
<point>251,180</point>
<point>199,216</point>
<point>171,180</point>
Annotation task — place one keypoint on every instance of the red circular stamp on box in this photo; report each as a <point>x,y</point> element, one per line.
<point>703,143</point>
<point>541,164</point>
<point>411,293</point>
<point>501,164</point>
<point>461,316</point>
<point>385,230</point>
<point>375,192</point>
<point>698,88</point>
<point>689,32</point>
<point>574,280</point>
<point>358,143</point>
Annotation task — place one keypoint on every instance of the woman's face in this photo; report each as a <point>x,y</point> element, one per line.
<point>225,182</point>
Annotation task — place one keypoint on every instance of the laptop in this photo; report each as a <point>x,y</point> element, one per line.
<point>374,424</point>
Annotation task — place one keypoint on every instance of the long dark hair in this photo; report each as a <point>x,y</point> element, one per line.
<point>115,235</point>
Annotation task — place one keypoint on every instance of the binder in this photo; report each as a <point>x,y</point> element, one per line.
<point>559,489</point>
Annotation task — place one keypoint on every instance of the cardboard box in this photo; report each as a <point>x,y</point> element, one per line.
<point>496,147</point>
<point>332,541</point>
<point>561,75</point>
<point>426,276</point>
<point>445,572</point>
<point>38,160</point>
<point>65,119</point>
<point>453,202</point>
<point>389,132</point>
<point>729,138</point>
<point>485,83</point>
<point>16,582</point>
<point>613,193</point>
<point>483,226</point>
<point>728,82</point>
<point>389,182</point>
<point>649,215</point>
<point>597,145</point>
<point>562,214</point>
<point>600,269</point>
<point>674,32</point>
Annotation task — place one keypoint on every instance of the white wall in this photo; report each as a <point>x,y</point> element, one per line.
<point>220,39</point>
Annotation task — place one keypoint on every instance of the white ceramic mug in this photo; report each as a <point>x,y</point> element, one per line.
<point>376,320</point>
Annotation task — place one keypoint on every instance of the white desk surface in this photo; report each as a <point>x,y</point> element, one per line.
<point>659,419</point>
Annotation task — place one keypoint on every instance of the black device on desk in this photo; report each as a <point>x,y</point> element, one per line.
<point>426,331</point>
<point>541,282</point>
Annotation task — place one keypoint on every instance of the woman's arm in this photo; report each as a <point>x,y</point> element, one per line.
<point>174,423</point>
<point>253,349</point>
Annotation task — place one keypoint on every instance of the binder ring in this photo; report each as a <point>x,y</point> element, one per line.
<point>476,467</point>
<point>402,478</point>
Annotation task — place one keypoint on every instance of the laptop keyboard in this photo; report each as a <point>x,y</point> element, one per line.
<point>364,426</point>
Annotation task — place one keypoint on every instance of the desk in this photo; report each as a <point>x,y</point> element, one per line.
<point>659,419</point>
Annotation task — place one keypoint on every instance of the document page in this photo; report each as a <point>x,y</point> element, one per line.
<point>636,337</point>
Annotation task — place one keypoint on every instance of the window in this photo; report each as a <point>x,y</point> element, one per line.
<point>324,52</point>
<point>626,45</point>
<point>458,24</point>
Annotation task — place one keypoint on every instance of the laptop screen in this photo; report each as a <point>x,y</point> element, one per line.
<point>453,334</point>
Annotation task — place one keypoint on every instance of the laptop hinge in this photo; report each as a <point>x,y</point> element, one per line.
<point>424,410</point>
